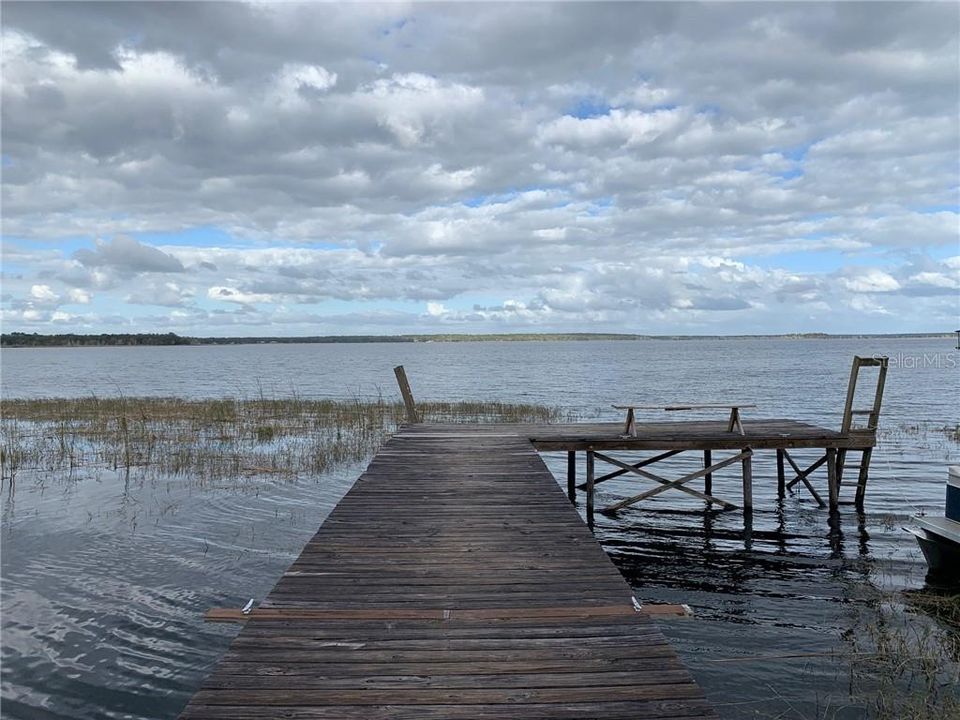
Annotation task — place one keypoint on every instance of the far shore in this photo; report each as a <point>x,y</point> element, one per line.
<point>22,340</point>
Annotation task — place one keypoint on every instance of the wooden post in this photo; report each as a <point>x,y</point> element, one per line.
<point>589,486</point>
<point>747,480</point>
<point>832,485</point>
<point>781,476</point>
<point>862,477</point>
<point>412,416</point>
<point>708,478</point>
<point>841,461</point>
<point>572,475</point>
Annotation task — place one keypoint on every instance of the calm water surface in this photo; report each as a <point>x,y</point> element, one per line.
<point>105,577</point>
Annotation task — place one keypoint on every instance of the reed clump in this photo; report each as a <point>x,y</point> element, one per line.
<point>216,438</point>
<point>905,656</point>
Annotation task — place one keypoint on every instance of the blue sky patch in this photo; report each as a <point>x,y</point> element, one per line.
<point>589,107</point>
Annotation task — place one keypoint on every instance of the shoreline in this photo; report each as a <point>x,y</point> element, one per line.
<point>35,340</point>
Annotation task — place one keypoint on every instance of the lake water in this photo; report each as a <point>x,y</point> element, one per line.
<point>105,579</point>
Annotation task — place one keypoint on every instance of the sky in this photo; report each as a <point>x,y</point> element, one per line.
<point>231,169</point>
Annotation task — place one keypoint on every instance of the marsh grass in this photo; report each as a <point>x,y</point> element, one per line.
<point>214,439</point>
<point>905,656</point>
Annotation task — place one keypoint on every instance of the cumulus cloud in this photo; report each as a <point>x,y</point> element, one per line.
<point>870,280</point>
<point>78,296</point>
<point>43,294</point>
<point>645,166</point>
<point>127,255</point>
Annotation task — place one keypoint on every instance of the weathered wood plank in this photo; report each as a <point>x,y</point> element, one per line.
<point>454,580</point>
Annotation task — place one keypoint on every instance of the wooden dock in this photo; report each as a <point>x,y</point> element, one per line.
<point>454,580</point>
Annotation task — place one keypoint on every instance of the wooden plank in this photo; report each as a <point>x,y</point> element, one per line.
<point>687,709</point>
<point>454,580</point>
<point>760,434</point>
<point>717,406</point>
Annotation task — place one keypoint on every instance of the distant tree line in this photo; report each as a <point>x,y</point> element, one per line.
<point>21,339</point>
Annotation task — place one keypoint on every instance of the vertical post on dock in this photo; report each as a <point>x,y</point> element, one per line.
<point>590,486</point>
<point>832,485</point>
<point>781,476</point>
<point>401,374</point>
<point>747,480</point>
<point>708,478</point>
<point>572,475</point>
<point>862,477</point>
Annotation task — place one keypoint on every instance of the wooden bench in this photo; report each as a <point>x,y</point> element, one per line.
<point>734,423</point>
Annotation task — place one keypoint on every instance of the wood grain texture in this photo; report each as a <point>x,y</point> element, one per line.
<point>454,580</point>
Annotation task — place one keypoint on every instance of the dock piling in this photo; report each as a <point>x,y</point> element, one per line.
<point>781,476</point>
<point>590,474</point>
<point>862,477</point>
<point>708,477</point>
<point>412,416</point>
<point>747,480</point>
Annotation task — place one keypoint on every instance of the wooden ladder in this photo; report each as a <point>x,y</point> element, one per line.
<point>860,439</point>
<point>866,435</point>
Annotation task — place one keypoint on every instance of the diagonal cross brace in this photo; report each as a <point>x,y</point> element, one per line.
<point>642,463</point>
<point>802,476</point>
<point>668,484</point>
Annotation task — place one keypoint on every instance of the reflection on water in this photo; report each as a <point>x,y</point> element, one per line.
<point>106,579</point>
<point>106,575</point>
<point>786,601</point>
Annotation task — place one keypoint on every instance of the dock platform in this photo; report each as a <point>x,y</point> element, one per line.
<point>454,580</point>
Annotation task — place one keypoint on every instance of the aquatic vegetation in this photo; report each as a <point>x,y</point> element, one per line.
<point>905,655</point>
<point>213,439</point>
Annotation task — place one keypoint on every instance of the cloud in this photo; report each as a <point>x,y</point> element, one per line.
<point>79,296</point>
<point>870,280</point>
<point>296,83</point>
<point>627,166</point>
<point>127,255</point>
<point>44,295</point>
<point>166,294</point>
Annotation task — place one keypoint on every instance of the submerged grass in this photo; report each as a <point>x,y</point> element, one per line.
<point>213,439</point>
<point>903,653</point>
<point>905,656</point>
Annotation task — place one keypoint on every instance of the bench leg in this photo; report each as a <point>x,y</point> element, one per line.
<point>572,475</point>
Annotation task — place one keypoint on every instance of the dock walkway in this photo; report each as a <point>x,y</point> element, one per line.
<point>454,580</point>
